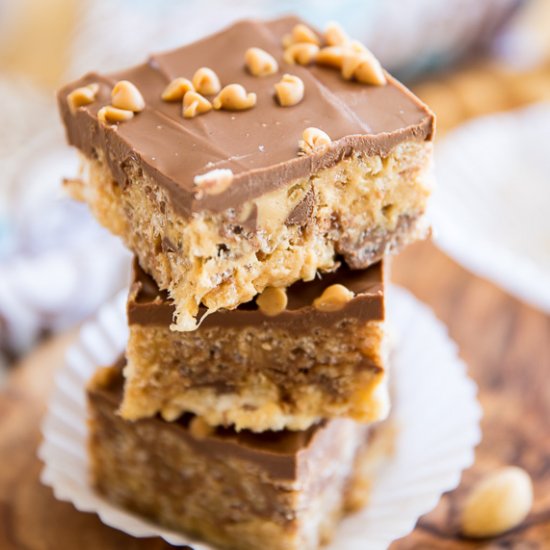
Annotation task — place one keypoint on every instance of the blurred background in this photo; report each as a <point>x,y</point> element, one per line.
<point>483,66</point>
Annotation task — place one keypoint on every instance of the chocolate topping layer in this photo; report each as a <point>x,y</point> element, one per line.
<point>147,305</point>
<point>283,454</point>
<point>259,145</point>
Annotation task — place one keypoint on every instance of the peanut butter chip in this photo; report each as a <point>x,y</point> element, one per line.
<point>234,98</point>
<point>206,81</point>
<point>199,429</point>
<point>363,67</point>
<point>272,301</point>
<point>195,104</point>
<point>350,56</point>
<point>499,502</point>
<point>213,182</point>
<point>289,91</point>
<point>126,96</point>
<point>82,96</point>
<point>313,141</point>
<point>302,53</point>
<point>112,115</point>
<point>176,90</point>
<point>301,33</point>
<point>335,35</point>
<point>350,62</point>
<point>334,298</point>
<point>331,56</point>
<point>259,62</point>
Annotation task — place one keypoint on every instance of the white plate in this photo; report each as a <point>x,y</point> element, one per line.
<point>490,209</point>
<point>436,413</point>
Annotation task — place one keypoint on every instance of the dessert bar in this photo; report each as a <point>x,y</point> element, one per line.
<point>286,360</point>
<point>253,158</point>
<point>240,490</point>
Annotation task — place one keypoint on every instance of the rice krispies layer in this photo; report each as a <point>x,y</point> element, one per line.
<point>359,210</point>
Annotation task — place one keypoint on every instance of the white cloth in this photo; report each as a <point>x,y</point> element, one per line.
<point>56,264</point>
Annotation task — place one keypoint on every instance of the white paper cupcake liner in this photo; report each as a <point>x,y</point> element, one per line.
<point>435,411</point>
<point>490,208</point>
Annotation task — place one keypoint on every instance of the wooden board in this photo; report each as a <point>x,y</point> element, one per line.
<point>505,343</point>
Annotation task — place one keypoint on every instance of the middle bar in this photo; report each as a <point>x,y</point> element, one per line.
<point>319,353</point>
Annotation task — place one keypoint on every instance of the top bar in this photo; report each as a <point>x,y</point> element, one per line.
<point>221,205</point>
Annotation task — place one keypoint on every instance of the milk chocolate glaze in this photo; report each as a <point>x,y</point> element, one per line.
<point>259,145</point>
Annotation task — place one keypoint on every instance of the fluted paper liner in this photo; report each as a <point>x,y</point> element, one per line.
<point>435,411</point>
<point>490,209</point>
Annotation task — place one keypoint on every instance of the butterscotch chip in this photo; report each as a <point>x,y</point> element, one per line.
<point>259,62</point>
<point>176,90</point>
<point>335,35</point>
<point>331,56</point>
<point>206,81</point>
<point>301,33</point>
<point>234,97</point>
<point>214,182</point>
<point>314,140</point>
<point>370,71</point>
<point>110,114</point>
<point>500,502</point>
<point>302,53</point>
<point>126,96</point>
<point>199,429</point>
<point>82,96</point>
<point>272,301</point>
<point>334,297</point>
<point>290,90</point>
<point>350,62</point>
<point>195,104</point>
<point>363,67</point>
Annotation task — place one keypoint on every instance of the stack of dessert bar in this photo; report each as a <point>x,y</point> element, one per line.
<point>260,176</point>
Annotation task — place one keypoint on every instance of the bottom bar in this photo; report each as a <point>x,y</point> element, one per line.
<point>240,490</point>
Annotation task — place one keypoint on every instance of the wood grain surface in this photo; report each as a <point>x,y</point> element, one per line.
<point>505,343</point>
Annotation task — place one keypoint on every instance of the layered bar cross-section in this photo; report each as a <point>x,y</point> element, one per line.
<point>256,368</point>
